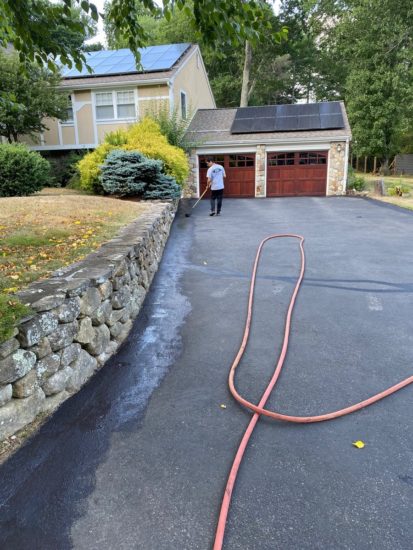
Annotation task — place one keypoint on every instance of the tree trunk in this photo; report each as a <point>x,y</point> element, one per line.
<point>385,166</point>
<point>365,165</point>
<point>246,75</point>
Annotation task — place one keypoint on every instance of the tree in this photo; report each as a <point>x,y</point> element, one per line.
<point>28,98</point>
<point>96,47</point>
<point>29,24</point>
<point>378,72</point>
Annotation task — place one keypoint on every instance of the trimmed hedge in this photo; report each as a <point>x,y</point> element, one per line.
<point>22,172</point>
<point>144,137</point>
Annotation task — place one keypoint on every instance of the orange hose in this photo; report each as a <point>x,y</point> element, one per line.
<point>259,409</point>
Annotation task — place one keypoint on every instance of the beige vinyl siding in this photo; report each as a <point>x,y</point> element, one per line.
<point>51,136</point>
<point>68,135</point>
<point>83,95</point>
<point>104,129</point>
<point>149,106</point>
<point>153,91</point>
<point>85,124</point>
<point>193,80</point>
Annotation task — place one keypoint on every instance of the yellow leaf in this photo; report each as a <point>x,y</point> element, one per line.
<point>14,277</point>
<point>223,406</point>
<point>77,222</point>
<point>359,444</point>
<point>11,289</point>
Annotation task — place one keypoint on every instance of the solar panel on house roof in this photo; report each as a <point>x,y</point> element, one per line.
<point>288,118</point>
<point>106,62</point>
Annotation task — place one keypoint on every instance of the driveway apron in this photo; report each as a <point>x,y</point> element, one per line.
<point>138,459</point>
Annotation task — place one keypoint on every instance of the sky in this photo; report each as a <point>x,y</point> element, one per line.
<point>100,36</point>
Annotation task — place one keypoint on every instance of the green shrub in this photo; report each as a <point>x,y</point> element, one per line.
<point>172,126</point>
<point>22,172</point>
<point>129,173</point>
<point>63,167</point>
<point>355,182</point>
<point>144,137</point>
<point>398,190</point>
<point>11,311</point>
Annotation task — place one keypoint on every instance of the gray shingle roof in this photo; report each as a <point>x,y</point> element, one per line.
<point>212,127</point>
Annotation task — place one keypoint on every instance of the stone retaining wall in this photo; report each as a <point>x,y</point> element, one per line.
<point>81,316</point>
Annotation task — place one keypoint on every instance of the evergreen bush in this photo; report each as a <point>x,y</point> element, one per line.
<point>22,172</point>
<point>129,173</point>
<point>144,137</point>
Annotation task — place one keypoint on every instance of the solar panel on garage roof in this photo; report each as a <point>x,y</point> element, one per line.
<point>106,62</point>
<point>288,118</point>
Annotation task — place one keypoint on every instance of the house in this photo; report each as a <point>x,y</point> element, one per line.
<point>272,151</point>
<point>117,94</point>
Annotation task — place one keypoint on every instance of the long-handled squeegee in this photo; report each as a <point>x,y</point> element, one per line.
<point>188,214</point>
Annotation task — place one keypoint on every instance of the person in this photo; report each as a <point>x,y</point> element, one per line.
<point>215,176</point>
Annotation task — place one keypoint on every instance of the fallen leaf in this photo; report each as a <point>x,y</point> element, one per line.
<point>14,277</point>
<point>359,444</point>
<point>223,406</point>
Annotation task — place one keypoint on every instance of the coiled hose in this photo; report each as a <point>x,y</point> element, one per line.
<point>259,409</point>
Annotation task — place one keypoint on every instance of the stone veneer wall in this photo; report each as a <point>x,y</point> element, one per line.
<point>190,189</point>
<point>337,169</point>
<point>260,183</point>
<point>81,316</point>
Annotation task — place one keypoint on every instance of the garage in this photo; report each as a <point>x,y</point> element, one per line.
<point>272,151</point>
<point>297,173</point>
<point>240,174</point>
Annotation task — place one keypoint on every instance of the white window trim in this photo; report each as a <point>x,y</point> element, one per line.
<point>115,106</point>
<point>186,103</point>
<point>70,122</point>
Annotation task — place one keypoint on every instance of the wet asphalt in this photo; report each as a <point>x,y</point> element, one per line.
<point>138,459</point>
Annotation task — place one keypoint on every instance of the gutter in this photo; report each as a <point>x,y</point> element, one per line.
<point>272,142</point>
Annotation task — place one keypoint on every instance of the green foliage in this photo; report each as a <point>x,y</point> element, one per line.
<point>63,168</point>
<point>11,311</point>
<point>398,190</point>
<point>42,32</point>
<point>357,183</point>
<point>31,26</point>
<point>33,96</point>
<point>129,173</point>
<point>95,47</point>
<point>172,126</point>
<point>22,172</point>
<point>144,137</point>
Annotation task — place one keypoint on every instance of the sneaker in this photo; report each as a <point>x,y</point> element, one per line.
<point>212,213</point>
<point>218,213</point>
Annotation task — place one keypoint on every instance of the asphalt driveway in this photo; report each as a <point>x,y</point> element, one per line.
<point>139,458</point>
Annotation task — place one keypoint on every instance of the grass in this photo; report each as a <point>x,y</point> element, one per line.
<point>390,182</point>
<point>49,230</point>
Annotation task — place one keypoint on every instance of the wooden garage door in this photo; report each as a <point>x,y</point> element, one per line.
<point>298,173</point>
<point>240,171</point>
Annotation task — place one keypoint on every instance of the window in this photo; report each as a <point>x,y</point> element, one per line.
<point>126,104</point>
<point>219,159</point>
<point>313,158</point>
<point>104,106</point>
<point>280,159</point>
<point>115,105</point>
<point>183,104</point>
<point>69,111</point>
<point>240,161</point>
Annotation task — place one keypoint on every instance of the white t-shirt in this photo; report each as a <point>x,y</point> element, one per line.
<point>216,174</point>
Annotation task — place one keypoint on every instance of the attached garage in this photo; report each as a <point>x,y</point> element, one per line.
<point>297,173</point>
<point>273,151</point>
<point>240,174</point>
